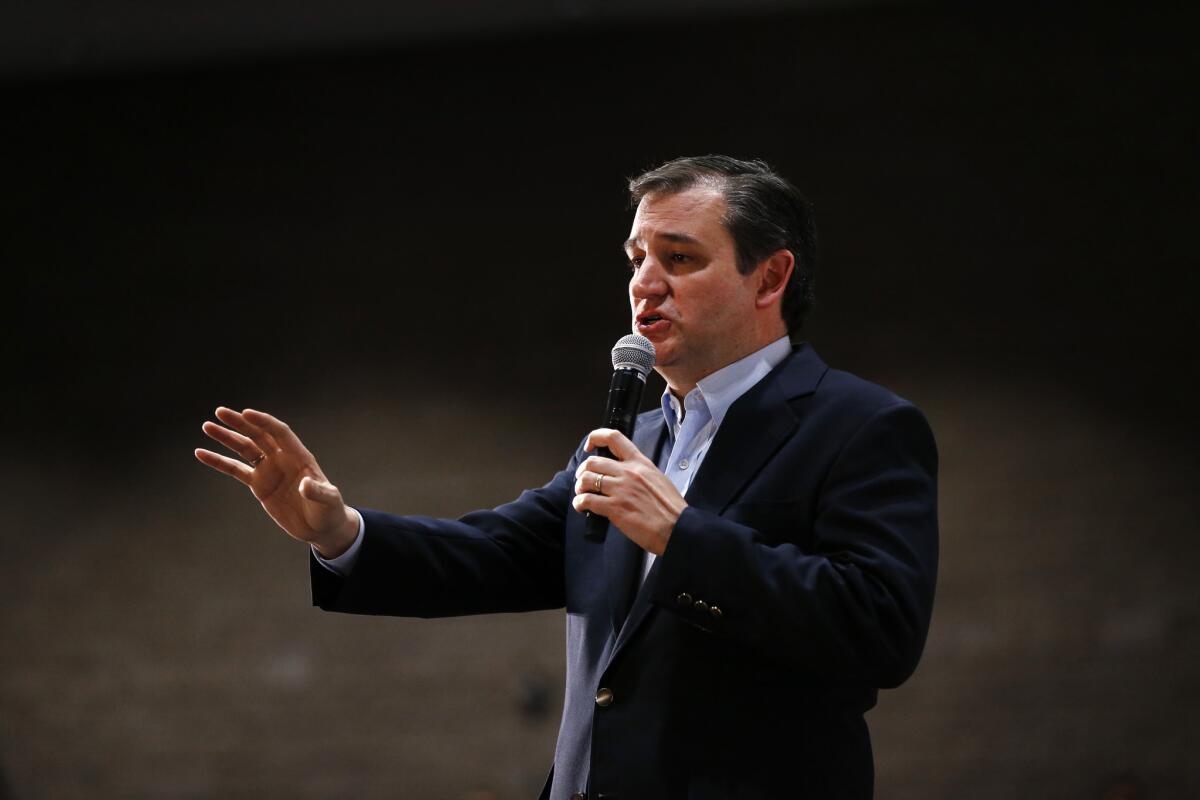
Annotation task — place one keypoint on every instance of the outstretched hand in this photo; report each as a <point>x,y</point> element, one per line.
<point>284,476</point>
<point>628,489</point>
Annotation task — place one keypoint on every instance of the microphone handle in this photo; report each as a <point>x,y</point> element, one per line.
<point>624,397</point>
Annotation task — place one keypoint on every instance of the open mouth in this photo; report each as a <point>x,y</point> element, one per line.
<point>651,324</point>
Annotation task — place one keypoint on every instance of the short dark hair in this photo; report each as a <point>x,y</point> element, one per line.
<point>763,213</point>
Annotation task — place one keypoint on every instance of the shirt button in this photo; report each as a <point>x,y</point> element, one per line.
<point>684,599</point>
<point>715,611</point>
<point>579,796</point>
<point>604,698</point>
<point>701,605</point>
<point>683,463</point>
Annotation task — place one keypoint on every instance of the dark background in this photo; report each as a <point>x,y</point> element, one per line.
<point>400,230</point>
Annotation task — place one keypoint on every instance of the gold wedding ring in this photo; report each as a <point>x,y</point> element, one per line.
<point>258,459</point>
<point>599,484</point>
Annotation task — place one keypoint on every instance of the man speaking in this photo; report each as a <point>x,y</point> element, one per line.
<point>772,550</point>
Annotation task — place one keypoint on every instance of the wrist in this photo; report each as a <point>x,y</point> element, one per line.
<point>339,541</point>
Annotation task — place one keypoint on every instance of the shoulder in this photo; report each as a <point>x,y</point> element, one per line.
<point>856,395</point>
<point>805,376</point>
<point>842,403</point>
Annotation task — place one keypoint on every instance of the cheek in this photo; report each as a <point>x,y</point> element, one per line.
<point>713,301</point>
<point>723,308</point>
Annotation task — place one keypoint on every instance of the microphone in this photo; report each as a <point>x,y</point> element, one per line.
<point>632,359</point>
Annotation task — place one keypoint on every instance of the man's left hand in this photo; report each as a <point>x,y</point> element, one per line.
<point>629,490</point>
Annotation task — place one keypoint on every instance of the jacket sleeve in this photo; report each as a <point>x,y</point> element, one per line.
<point>851,607</point>
<point>507,559</point>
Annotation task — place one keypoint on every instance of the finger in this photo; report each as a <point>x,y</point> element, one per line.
<point>232,468</point>
<point>596,483</point>
<point>320,491</point>
<point>243,426</point>
<point>599,465</point>
<point>617,443</point>
<point>596,503</point>
<point>242,445</point>
<point>278,429</point>
<point>587,482</point>
<point>597,438</point>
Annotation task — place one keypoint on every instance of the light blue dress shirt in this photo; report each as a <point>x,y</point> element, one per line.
<point>691,427</point>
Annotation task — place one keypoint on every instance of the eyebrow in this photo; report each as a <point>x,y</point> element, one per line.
<point>682,238</point>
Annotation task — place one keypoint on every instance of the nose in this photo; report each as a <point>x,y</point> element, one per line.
<point>648,281</point>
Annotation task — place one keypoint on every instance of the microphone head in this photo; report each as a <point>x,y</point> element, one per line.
<point>633,351</point>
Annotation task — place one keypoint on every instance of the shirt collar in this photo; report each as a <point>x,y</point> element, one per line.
<point>721,389</point>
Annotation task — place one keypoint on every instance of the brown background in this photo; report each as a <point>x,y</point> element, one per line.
<point>410,251</point>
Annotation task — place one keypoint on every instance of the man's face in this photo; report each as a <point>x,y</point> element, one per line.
<point>685,292</point>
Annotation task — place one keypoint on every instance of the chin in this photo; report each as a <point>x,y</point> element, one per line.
<point>663,356</point>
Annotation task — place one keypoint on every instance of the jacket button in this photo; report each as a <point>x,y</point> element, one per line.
<point>715,611</point>
<point>604,698</point>
<point>701,605</point>
<point>579,796</point>
<point>684,599</point>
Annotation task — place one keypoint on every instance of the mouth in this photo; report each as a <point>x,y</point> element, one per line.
<point>651,324</point>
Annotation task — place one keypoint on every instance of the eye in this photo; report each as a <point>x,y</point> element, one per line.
<point>680,258</point>
<point>634,263</point>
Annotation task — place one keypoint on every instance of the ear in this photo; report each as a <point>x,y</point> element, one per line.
<point>773,274</point>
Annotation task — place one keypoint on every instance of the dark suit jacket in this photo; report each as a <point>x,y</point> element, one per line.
<point>797,583</point>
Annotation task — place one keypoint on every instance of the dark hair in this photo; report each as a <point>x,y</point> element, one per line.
<point>763,213</point>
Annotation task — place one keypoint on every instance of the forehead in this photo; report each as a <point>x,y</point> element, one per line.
<point>694,213</point>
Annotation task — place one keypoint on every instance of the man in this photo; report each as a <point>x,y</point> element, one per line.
<point>773,549</point>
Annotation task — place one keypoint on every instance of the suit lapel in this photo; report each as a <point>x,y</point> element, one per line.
<point>755,427</point>
<point>622,557</point>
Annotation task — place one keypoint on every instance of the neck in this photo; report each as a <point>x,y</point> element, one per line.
<point>679,390</point>
<point>681,381</point>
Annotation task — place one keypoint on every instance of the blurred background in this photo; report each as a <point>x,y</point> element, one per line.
<point>397,226</point>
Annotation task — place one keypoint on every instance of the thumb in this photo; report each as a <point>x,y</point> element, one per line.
<point>320,491</point>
